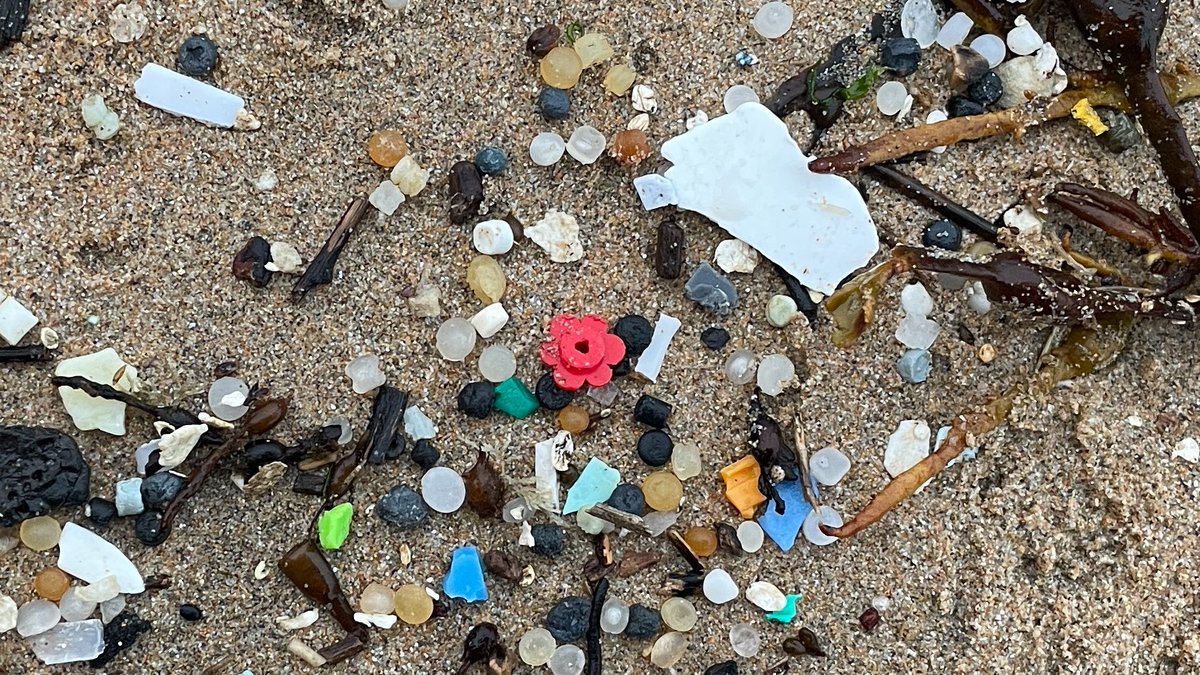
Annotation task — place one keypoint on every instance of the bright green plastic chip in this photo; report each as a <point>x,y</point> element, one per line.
<point>334,526</point>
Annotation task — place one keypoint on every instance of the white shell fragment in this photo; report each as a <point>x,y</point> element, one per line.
<point>88,556</point>
<point>493,237</point>
<point>384,621</point>
<point>655,191</point>
<point>302,620</point>
<point>418,425</point>
<point>1187,449</point>
<point>101,367</point>
<point>906,447</point>
<point>558,235</point>
<point>69,642</point>
<point>745,172</point>
<point>175,447</point>
<point>179,94</point>
<point>1037,75</point>
<point>644,99</point>
<point>650,363</point>
<point>285,258</point>
<point>96,115</point>
<point>15,320</point>
<point>735,255</point>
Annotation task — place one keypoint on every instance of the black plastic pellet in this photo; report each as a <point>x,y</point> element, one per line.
<point>190,612</point>
<point>670,250</point>
<point>568,620</point>
<point>548,540</point>
<point>425,455</point>
<point>554,104</point>
<point>636,332</point>
<point>101,511</point>
<point>654,447</point>
<point>902,56</point>
<point>961,106</point>
<point>651,411</point>
<point>714,338</point>
<point>309,483</point>
<point>550,395</point>
<point>644,622</point>
<point>258,454</point>
<point>159,489</point>
<point>475,399</point>
<point>628,498</point>
<point>986,90</point>
<point>197,56</point>
<point>942,234</point>
<point>148,528</point>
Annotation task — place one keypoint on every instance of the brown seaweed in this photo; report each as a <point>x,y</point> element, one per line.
<point>308,570</point>
<point>387,414</point>
<point>948,208</point>
<point>173,415</point>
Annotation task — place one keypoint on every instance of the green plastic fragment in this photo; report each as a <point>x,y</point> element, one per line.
<point>788,613</point>
<point>334,526</point>
<point>515,399</point>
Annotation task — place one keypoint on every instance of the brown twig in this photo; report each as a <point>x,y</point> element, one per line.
<point>320,269</point>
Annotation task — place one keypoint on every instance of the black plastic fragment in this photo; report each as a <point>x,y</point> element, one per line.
<point>41,469</point>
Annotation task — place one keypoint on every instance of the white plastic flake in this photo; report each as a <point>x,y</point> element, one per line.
<point>179,94</point>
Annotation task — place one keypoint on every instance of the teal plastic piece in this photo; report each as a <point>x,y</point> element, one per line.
<point>594,485</point>
<point>788,613</point>
<point>515,399</point>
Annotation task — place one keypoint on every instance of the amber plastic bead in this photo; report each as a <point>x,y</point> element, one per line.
<point>387,147</point>
<point>702,540</point>
<point>561,68</point>
<point>51,583</point>
<point>573,419</point>
<point>663,491</point>
<point>630,147</point>
<point>413,604</point>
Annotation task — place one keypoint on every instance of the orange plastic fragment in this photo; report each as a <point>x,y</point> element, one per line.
<point>741,485</point>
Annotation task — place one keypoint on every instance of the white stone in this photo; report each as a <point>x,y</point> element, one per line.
<point>101,591</point>
<point>174,448</point>
<point>825,515</point>
<point>15,320</point>
<point>37,616</point>
<point>110,609</point>
<point>773,19</point>
<point>1023,39</point>
<point>73,607</point>
<point>443,489</point>
<point>558,235</point>
<point>915,300</point>
<point>766,596</point>
<point>365,374</point>
<point>750,536</point>
<point>977,298</point>
<point>8,614</point>
<point>1025,74</point>
<point>890,97</point>
<point>492,237</point>
<point>655,191</point>
<point>719,587</point>
<point>267,180</point>
<point>919,20</point>
<point>417,424</point>
<point>179,94</point>
<point>220,390</point>
<point>69,642</point>
<point>829,466</point>
<point>955,30</point>
<point>745,172</point>
<point>285,258</point>
<point>497,363</point>
<point>96,413</point>
<point>735,255</point>
<point>776,372</point>
<point>547,148</point>
<point>906,447</point>
<point>737,96</point>
<point>586,144</point>
<point>302,620</point>
<point>644,99</point>
<point>409,176</point>
<point>489,320</point>
<point>650,363</point>
<point>992,48</point>
<point>89,557</point>
<point>1187,449</point>
<point>545,480</point>
<point>387,197</point>
<point>384,621</point>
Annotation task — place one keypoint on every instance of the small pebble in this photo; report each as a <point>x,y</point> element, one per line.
<point>547,148</point>
<point>715,338</point>
<point>773,19</point>
<point>644,99</point>
<point>554,104</point>
<point>160,488</point>
<point>425,454</point>
<point>101,511</point>
<point>491,161</point>
<point>679,614</point>
<point>586,144</point>
<point>189,612</point>
<point>651,411</point>
<point>548,540</point>
<point>148,528</point>
<point>542,40</point>
<point>197,56</point>
<point>266,181</point>
<point>654,448</point>
<point>643,622</point>
<point>987,90</point>
<point>737,95</point>
<point>901,55</point>
<point>944,234</point>
<point>735,255</point>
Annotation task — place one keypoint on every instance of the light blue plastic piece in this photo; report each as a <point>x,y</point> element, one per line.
<point>129,497</point>
<point>783,528</point>
<point>595,485</point>
<point>465,578</point>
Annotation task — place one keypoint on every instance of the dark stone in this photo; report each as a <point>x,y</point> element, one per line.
<point>41,470</point>
<point>491,161</point>
<point>715,338</point>
<point>120,633</point>
<point>568,620</point>
<point>902,56</point>
<point>651,411</point>
<point>197,56</point>
<point>160,488</point>
<point>869,619</point>
<point>189,612</point>
<point>548,540</point>
<point>554,104</point>
<point>503,564</point>
<point>250,262</point>
<point>14,14</point>
<point>670,250</point>
<point>476,398</point>
<point>485,487</point>
<point>986,90</point>
<point>723,668</point>
<point>636,332</point>
<point>550,395</point>
<point>403,507</point>
<point>644,622</point>
<point>310,483</point>
<point>258,454</point>
<point>541,41</point>
<point>148,528</point>
<point>466,192</point>
<point>628,498</point>
<point>101,511</point>
<point>425,455</point>
<point>944,234</point>
<point>654,447</point>
<point>961,106</point>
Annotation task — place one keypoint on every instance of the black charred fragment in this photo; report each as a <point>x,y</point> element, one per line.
<point>249,264</point>
<point>27,353</point>
<point>684,584</point>
<point>387,413</point>
<point>813,90</point>
<point>503,564</point>
<point>466,192</point>
<point>14,15</point>
<point>320,270</point>
<point>482,645</point>
<point>120,634</point>
<point>686,551</point>
<point>308,570</point>
<point>595,656</point>
<point>670,250</point>
<point>769,446</point>
<point>41,469</point>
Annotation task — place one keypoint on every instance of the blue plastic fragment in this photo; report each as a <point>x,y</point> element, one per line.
<point>914,365</point>
<point>782,528</point>
<point>594,485</point>
<point>465,578</point>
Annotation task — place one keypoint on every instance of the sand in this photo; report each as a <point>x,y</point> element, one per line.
<point>1069,545</point>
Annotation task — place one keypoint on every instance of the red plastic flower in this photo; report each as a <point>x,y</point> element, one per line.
<point>581,350</point>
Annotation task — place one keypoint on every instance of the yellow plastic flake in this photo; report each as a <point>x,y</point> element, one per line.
<point>1086,114</point>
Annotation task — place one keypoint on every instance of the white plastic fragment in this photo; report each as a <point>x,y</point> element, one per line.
<point>919,20</point>
<point>96,115</point>
<point>1024,220</point>
<point>8,614</point>
<point>545,476</point>
<point>639,122</point>
<point>101,591</point>
<point>558,235</point>
<point>110,609</point>
<point>15,320</point>
<point>175,447</point>
<point>735,255</point>
<point>306,653</point>
<point>934,117</point>
<point>1023,39</point>
<point>387,197</point>
<point>88,556</point>
<point>992,48</point>
<point>828,466</point>
<point>766,596</point>
<point>302,620</point>
<point>489,320</point>
<point>101,367</point>
<point>384,621</point>
<point>916,330</point>
<point>955,30</point>
<point>644,99</point>
<point>417,424</point>
<point>36,617</point>
<point>365,374</point>
<point>69,642</point>
<point>267,180</point>
<point>179,94</point>
<point>977,298</point>
<point>890,97</point>
<point>409,176</point>
<point>650,363</point>
<point>745,172</point>
<point>906,447</point>
<point>1187,449</point>
<point>655,191</point>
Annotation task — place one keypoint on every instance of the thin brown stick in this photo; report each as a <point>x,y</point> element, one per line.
<point>320,270</point>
